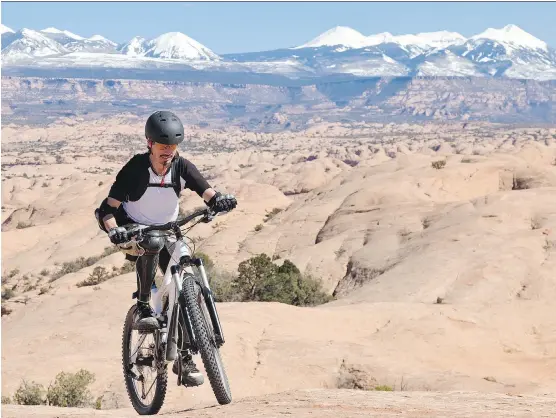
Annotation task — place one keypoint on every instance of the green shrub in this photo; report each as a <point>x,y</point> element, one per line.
<point>259,279</point>
<point>8,294</point>
<point>384,388</point>
<point>98,276</point>
<point>438,164</point>
<point>71,389</point>
<point>29,394</point>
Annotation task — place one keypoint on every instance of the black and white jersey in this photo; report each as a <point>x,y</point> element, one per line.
<point>150,199</point>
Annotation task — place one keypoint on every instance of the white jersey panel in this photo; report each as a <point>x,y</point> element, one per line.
<point>158,205</point>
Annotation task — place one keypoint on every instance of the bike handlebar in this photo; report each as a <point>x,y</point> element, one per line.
<point>172,226</point>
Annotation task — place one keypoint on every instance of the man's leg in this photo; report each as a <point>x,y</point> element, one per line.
<point>191,376</point>
<point>145,271</point>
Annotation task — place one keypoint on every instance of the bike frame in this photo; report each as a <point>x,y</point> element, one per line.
<point>181,264</point>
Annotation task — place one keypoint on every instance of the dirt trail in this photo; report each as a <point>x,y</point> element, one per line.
<point>323,403</point>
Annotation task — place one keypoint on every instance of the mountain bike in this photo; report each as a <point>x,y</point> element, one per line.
<point>185,309</point>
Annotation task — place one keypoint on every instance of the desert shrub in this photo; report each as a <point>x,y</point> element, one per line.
<point>5,310</point>
<point>438,164</point>
<point>384,388</point>
<point>12,273</point>
<point>522,183</point>
<point>6,400</point>
<point>98,276</point>
<point>43,290</point>
<point>71,389</point>
<point>128,267</point>
<point>44,272</point>
<point>271,214</point>
<point>23,225</point>
<point>81,262</point>
<point>8,294</point>
<point>29,394</point>
<point>258,227</point>
<point>259,279</point>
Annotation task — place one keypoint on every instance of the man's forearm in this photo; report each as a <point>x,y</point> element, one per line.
<point>208,194</point>
<point>110,222</point>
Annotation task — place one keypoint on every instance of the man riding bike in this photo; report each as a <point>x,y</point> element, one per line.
<point>146,191</point>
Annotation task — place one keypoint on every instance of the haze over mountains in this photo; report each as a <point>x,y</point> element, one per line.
<point>506,52</point>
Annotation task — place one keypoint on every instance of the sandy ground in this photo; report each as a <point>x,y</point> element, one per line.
<point>444,278</point>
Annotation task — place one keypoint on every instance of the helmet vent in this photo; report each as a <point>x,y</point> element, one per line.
<point>178,135</point>
<point>162,120</point>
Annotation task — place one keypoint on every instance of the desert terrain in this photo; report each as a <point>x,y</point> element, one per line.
<point>436,238</point>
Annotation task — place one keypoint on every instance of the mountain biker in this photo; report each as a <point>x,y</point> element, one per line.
<point>146,191</point>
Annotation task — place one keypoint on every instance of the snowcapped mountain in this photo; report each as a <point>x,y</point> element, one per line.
<point>340,35</point>
<point>27,43</point>
<point>76,43</point>
<point>171,45</point>
<point>4,29</point>
<point>61,36</point>
<point>134,48</point>
<point>510,51</point>
<point>176,45</point>
<point>506,52</point>
<point>345,37</point>
<point>511,36</point>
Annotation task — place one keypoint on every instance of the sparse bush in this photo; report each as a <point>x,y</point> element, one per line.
<point>71,389</point>
<point>98,276</point>
<point>351,377</point>
<point>80,263</point>
<point>8,294</point>
<point>5,310</point>
<point>258,227</point>
<point>13,273</point>
<point>23,225</point>
<point>6,400</point>
<point>44,290</point>
<point>271,214</point>
<point>260,279</point>
<point>128,267</point>
<point>109,251</point>
<point>521,183</point>
<point>44,272</point>
<point>438,164</point>
<point>536,223</point>
<point>29,394</point>
<point>384,388</point>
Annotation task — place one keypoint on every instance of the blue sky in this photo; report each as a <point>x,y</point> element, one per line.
<point>227,27</point>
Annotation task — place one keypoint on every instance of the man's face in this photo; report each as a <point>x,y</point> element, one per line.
<point>162,154</point>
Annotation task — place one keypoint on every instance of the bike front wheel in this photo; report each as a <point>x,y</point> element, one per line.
<point>205,338</point>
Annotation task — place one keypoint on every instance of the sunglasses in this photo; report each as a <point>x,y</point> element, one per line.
<point>163,147</point>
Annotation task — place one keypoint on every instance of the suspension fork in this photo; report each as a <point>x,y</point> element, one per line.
<point>209,301</point>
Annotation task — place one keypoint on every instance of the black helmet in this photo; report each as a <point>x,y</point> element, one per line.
<point>164,127</point>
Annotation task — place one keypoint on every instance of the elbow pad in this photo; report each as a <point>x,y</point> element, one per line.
<point>102,211</point>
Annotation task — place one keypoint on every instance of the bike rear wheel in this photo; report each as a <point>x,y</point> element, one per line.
<point>206,342</point>
<point>146,384</point>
